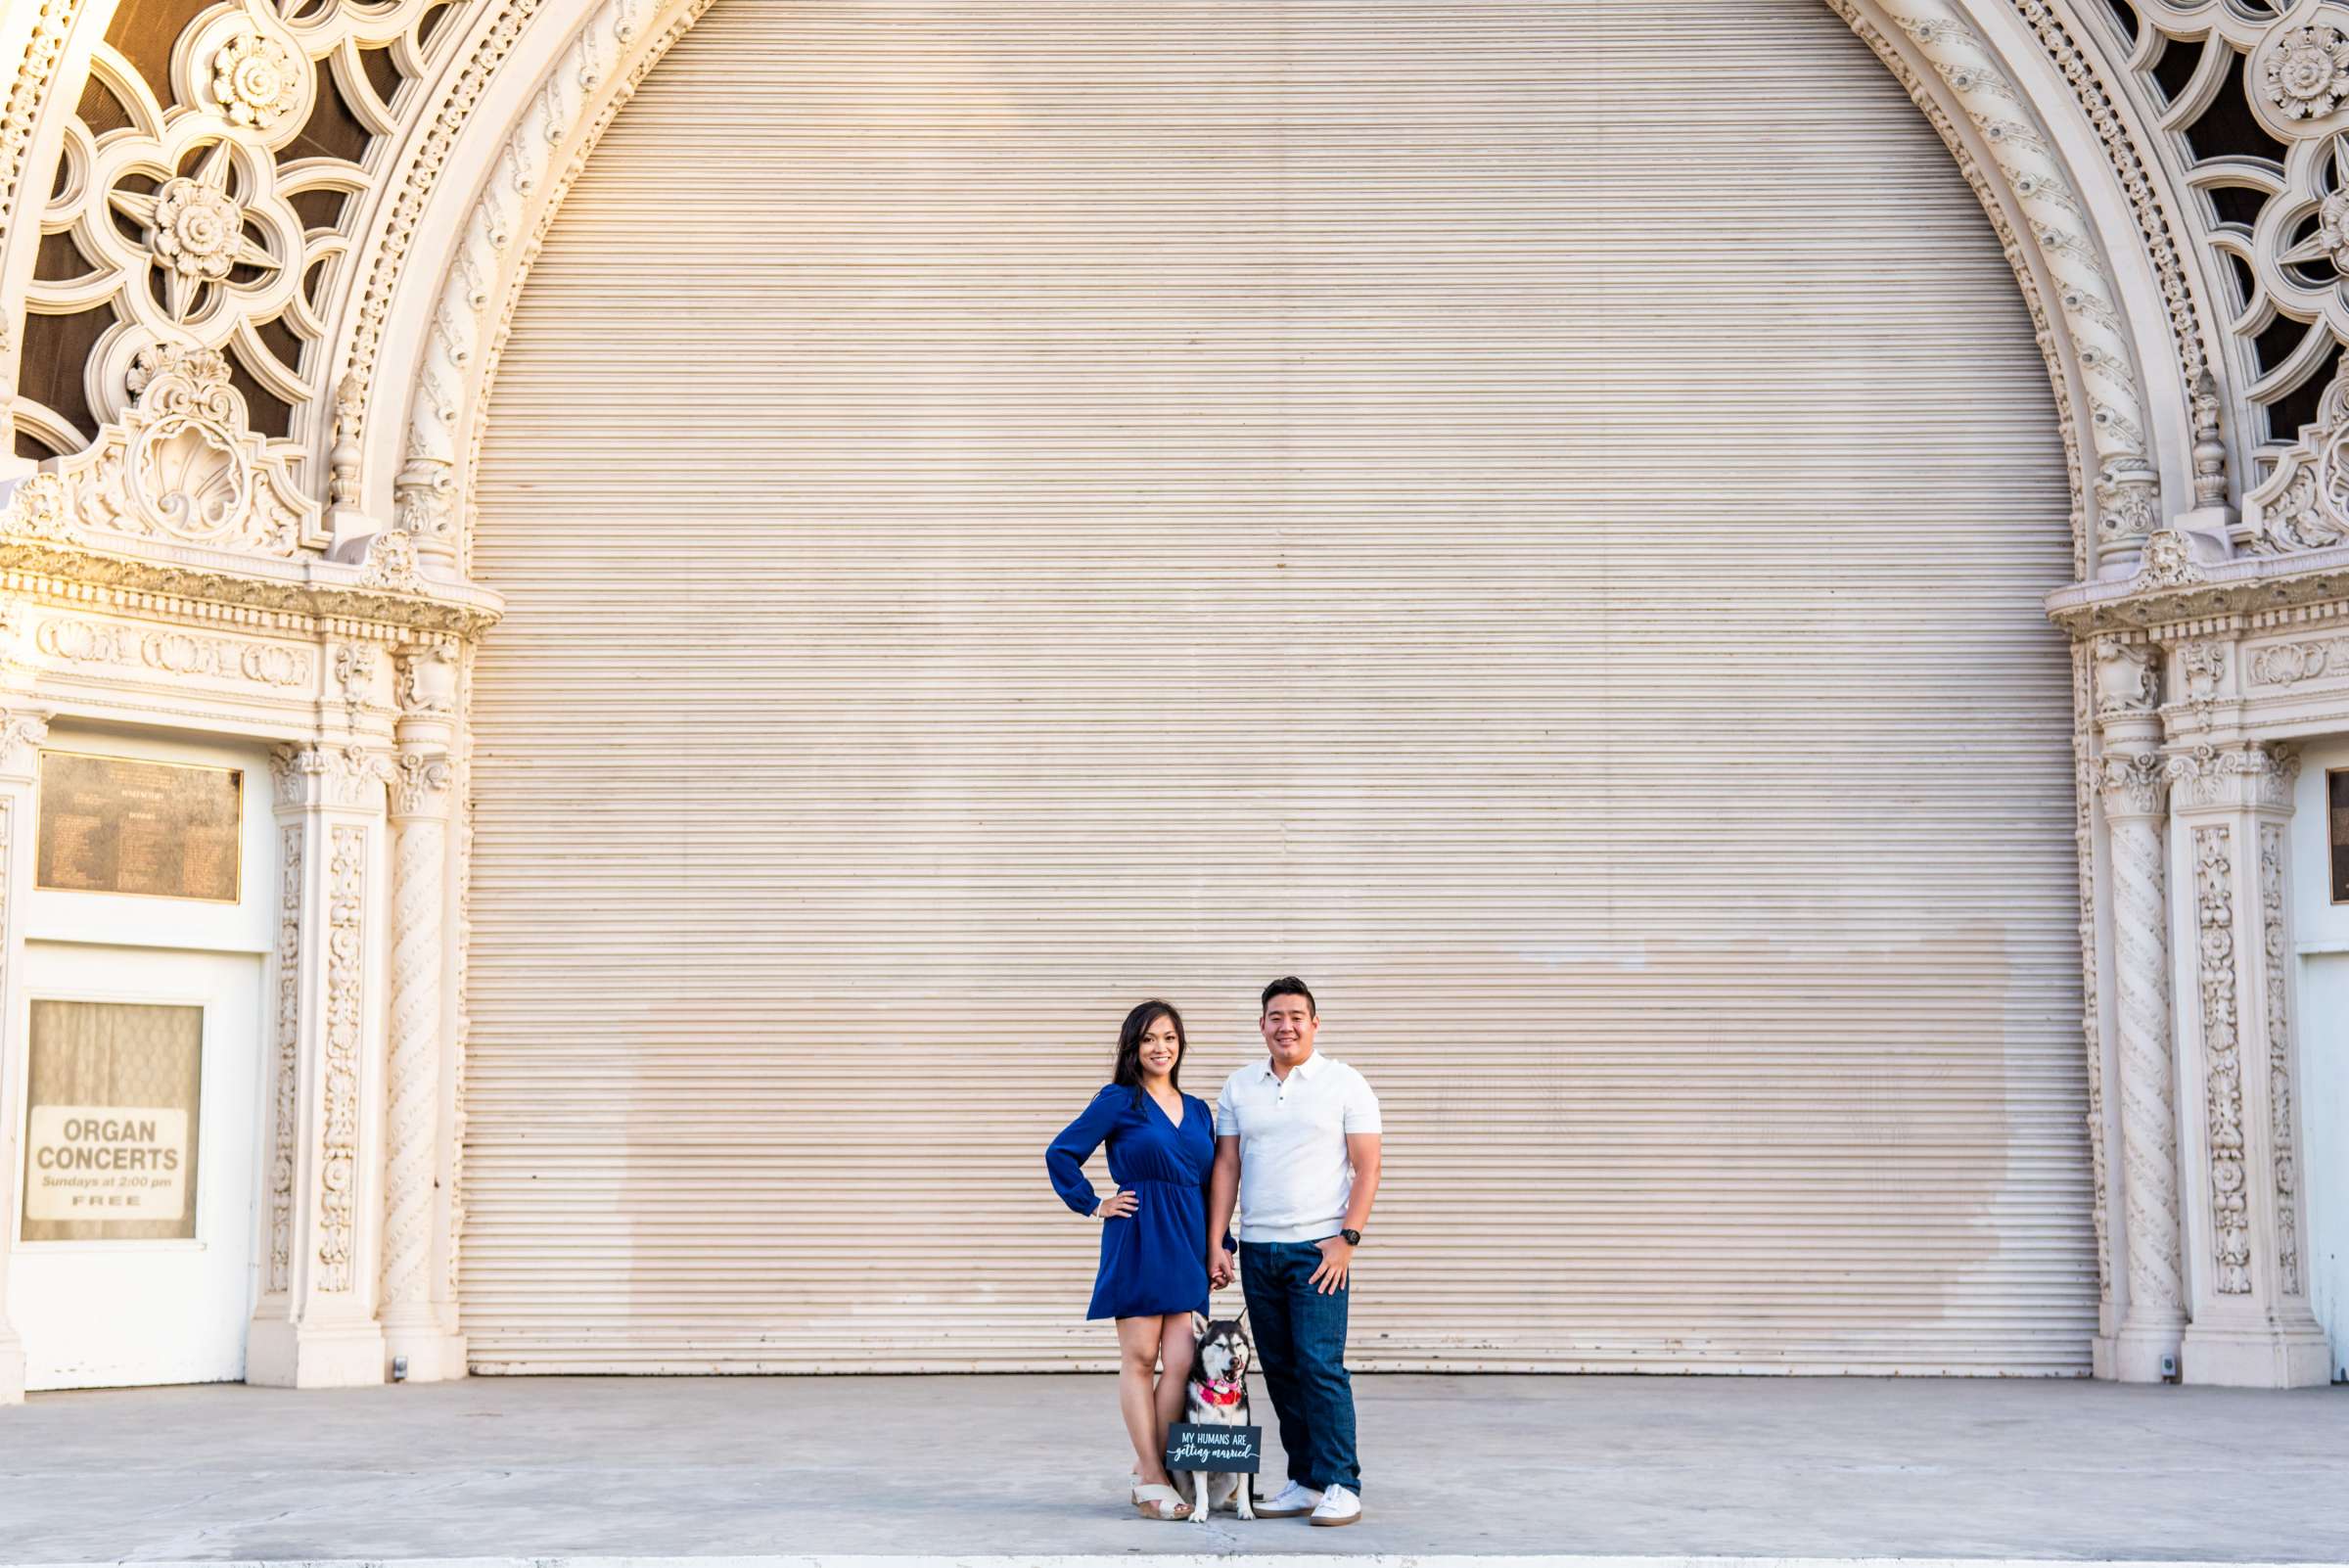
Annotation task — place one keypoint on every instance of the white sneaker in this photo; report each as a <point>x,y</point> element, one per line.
<point>1338,1506</point>
<point>1293,1500</point>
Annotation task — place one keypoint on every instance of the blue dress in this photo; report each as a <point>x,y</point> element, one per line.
<point>1153,1260</point>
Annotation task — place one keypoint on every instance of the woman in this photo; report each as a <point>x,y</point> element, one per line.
<point>1162,1144</point>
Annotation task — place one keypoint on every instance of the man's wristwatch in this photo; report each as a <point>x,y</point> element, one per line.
<point>1354,1239</point>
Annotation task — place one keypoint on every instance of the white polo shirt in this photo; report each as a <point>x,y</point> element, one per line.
<point>1294,1174</point>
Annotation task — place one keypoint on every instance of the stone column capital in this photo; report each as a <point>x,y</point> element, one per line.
<point>2238,776</point>
<point>22,731</point>
<point>347,777</point>
<point>422,781</point>
<point>2132,785</point>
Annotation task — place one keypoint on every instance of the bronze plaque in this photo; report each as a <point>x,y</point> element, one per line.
<point>117,824</point>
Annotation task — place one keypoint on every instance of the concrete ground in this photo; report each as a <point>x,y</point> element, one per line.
<point>969,1466</point>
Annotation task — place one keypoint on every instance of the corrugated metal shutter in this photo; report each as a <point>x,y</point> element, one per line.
<point>1528,515</point>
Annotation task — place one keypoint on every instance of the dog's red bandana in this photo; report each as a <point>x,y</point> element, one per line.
<point>1216,1393</point>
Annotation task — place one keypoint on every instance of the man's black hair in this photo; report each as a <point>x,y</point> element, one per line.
<point>1288,986</point>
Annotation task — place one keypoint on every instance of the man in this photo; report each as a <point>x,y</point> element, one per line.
<point>1297,1147</point>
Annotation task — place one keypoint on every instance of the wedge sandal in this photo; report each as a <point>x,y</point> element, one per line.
<point>1161,1503</point>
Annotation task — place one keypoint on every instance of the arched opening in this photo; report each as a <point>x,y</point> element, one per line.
<point>1528,515</point>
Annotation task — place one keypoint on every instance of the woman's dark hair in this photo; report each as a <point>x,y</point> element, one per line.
<point>1128,1074</point>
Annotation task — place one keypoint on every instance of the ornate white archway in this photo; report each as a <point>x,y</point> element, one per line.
<point>331,325</point>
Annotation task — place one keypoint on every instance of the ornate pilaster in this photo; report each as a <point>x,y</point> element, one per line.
<point>2247,1289</point>
<point>314,1325</point>
<point>418,1317</point>
<point>21,737</point>
<point>2131,788</point>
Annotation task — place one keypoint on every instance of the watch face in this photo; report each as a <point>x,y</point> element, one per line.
<point>1354,1239</point>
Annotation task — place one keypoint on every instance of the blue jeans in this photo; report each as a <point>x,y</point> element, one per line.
<point>1300,1339</point>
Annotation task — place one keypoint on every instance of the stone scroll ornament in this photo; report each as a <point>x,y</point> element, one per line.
<point>2230,1204</point>
<point>337,1177</point>
<point>185,467</point>
<point>2304,503</point>
<point>2273,856</point>
<point>284,1155</point>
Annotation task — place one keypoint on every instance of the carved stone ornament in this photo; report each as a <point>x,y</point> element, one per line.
<point>186,467</point>
<point>2287,664</point>
<point>391,564</point>
<point>256,82</point>
<point>2281,1133</point>
<point>348,776</point>
<point>174,653</point>
<point>2223,1085</point>
<point>183,198</point>
<point>2128,506</point>
<point>424,500</point>
<point>2252,776</point>
<point>2303,72</point>
<point>284,1155</point>
<point>342,459</point>
<point>37,510</point>
<point>427,680</point>
<point>2203,666</point>
<point>2141,950</point>
<point>419,784</point>
<point>2304,504</point>
<point>2210,447</point>
<point>2132,786</point>
<point>2091,1002</point>
<point>2169,562</point>
<point>22,735</point>
<point>345,972</point>
<point>2126,678</point>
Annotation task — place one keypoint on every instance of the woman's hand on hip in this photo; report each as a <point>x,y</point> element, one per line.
<point>1118,1204</point>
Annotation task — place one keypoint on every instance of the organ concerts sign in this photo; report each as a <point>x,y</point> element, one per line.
<point>106,1162</point>
<point>114,1099</point>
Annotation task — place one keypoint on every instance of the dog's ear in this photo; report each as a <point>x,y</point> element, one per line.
<point>1199,1326</point>
<point>1241,1321</point>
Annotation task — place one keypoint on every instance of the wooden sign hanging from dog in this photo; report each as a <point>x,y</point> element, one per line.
<point>1215,1449</point>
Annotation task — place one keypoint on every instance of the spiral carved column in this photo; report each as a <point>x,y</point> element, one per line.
<point>2133,791</point>
<point>2155,1315</point>
<point>419,1320</point>
<point>419,857</point>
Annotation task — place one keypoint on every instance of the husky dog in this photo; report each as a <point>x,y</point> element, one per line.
<point>1219,1397</point>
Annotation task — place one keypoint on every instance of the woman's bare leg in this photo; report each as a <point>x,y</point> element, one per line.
<point>1176,1346</point>
<point>1137,1358</point>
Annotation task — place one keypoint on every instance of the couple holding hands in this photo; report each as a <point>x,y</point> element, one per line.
<point>1293,1140</point>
